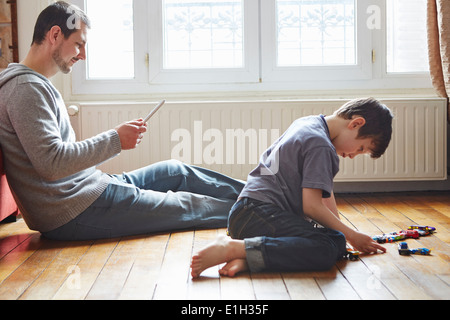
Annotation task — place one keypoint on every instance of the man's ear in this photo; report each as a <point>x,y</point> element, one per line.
<point>357,123</point>
<point>54,34</point>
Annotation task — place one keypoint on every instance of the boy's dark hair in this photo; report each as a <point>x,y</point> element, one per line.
<point>378,124</point>
<point>62,14</point>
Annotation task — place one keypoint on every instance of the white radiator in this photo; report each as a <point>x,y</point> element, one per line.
<point>230,136</point>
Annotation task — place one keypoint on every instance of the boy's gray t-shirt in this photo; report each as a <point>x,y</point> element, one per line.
<point>303,157</point>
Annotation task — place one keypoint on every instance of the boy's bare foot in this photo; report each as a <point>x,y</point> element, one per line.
<point>234,267</point>
<point>223,249</point>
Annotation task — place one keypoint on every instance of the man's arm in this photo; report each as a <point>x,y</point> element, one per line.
<point>131,133</point>
<point>314,207</point>
<point>34,117</point>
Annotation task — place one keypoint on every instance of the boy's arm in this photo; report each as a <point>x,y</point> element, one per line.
<point>314,207</point>
<point>330,203</point>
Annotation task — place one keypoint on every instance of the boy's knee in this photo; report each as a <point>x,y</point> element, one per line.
<point>327,259</point>
<point>331,251</point>
<point>341,243</point>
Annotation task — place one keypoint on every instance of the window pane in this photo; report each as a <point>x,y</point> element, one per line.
<point>203,34</point>
<point>316,32</point>
<point>407,36</point>
<point>111,39</point>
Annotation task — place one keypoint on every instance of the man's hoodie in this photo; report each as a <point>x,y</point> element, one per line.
<point>52,177</point>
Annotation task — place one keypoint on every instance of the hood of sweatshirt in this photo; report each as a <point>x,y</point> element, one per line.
<point>16,69</point>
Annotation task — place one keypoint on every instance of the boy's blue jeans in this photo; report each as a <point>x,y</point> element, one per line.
<point>277,240</point>
<point>163,197</point>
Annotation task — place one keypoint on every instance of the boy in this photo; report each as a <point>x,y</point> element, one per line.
<point>270,224</point>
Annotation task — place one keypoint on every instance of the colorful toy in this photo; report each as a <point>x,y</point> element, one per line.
<point>423,233</point>
<point>423,228</point>
<point>414,232</point>
<point>389,237</point>
<point>421,251</point>
<point>410,233</point>
<point>405,251</point>
<point>351,254</point>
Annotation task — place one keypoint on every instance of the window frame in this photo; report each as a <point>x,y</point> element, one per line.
<point>247,74</point>
<point>362,70</point>
<point>82,85</point>
<point>260,73</point>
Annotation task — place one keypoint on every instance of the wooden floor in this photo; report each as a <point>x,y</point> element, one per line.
<point>157,267</point>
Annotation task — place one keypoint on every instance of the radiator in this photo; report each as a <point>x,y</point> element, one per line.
<point>230,136</point>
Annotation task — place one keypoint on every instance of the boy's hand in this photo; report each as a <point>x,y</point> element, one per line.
<point>364,243</point>
<point>314,208</point>
<point>131,133</point>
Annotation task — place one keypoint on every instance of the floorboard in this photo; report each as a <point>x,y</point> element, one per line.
<point>156,267</point>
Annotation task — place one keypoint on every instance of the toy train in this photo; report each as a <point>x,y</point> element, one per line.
<point>414,232</point>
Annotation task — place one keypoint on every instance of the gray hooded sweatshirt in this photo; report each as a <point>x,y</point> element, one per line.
<point>52,176</point>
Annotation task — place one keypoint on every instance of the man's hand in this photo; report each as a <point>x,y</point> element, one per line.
<point>131,133</point>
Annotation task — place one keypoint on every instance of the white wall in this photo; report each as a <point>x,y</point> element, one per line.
<point>27,13</point>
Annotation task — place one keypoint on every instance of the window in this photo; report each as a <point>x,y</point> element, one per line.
<point>203,34</point>
<point>316,32</point>
<point>407,36</point>
<point>160,46</point>
<point>104,33</point>
<point>315,40</point>
<point>203,41</point>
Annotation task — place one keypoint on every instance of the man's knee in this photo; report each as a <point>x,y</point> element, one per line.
<point>173,167</point>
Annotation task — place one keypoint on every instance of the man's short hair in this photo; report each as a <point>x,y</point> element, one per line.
<point>62,14</point>
<point>378,124</point>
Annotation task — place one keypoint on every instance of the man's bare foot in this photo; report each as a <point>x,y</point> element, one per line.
<point>223,249</point>
<point>234,267</point>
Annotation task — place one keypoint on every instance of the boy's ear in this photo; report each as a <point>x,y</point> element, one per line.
<point>356,123</point>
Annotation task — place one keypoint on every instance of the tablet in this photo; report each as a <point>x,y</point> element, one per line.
<point>151,114</point>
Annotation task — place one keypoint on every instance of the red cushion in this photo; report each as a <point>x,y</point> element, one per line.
<point>7,204</point>
<point>1,163</point>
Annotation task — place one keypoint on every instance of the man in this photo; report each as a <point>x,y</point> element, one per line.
<point>56,185</point>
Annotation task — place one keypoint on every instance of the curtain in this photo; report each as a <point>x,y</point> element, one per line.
<point>438,23</point>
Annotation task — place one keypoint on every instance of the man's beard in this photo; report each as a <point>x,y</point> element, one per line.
<point>63,66</point>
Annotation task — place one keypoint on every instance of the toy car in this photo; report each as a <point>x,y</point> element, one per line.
<point>421,251</point>
<point>405,251</point>
<point>389,237</point>
<point>423,228</point>
<point>410,233</point>
<point>423,233</point>
<point>352,255</point>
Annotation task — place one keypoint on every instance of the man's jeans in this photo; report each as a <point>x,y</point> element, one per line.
<point>277,240</point>
<point>163,197</point>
